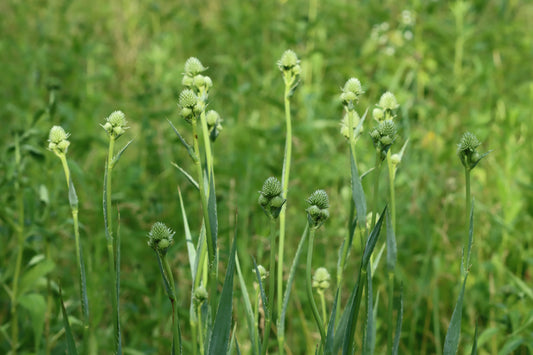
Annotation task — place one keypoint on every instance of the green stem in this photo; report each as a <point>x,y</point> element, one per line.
<point>173,300</point>
<point>20,239</point>
<point>282,216</point>
<point>392,202</point>
<point>309,288</point>
<point>272,284</point>
<point>377,171</point>
<point>112,247</point>
<point>323,306</point>
<point>200,332</point>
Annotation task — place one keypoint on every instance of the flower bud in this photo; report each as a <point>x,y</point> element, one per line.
<point>58,142</point>
<point>353,85</point>
<point>321,279</point>
<point>317,212</point>
<point>270,198</point>
<point>115,124</point>
<point>160,238</point>
<point>288,60</point>
<point>377,113</point>
<point>396,159</point>
<point>193,66</point>
<point>263,274</point>
<point>200,295</point>
<point>188,99</point>
<point>467,150</point>
<point>388,101</point>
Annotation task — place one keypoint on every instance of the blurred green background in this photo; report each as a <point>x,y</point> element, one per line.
<point>453,66</point>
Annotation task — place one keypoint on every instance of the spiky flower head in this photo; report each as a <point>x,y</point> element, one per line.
<point>321,279</point>
<point>115,124</point>
<point>57,140</point>
<point>388,101</point>
<point>467,151</point>
<point>160,237</point>
<point>384,135</point>
<point>288,61</point>
<point>193,67</point>
<point>271,198</point>
<point>351,92</point>
<point>317,212</point>
<point>188,99</point>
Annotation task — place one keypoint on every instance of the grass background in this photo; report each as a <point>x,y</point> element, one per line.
<point>129,55</point>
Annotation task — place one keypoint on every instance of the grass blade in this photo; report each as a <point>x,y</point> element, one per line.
<point>187,175</point>
<point>330,337</point>
<point>474,346</point>
<point>219,340</point>
<point>372,240</point>
<point>191,251</point>
<point>451,342</point>
<point>71,345</point>
<point>399,320</point>
<point>247,305</point>
<point>370,333</point>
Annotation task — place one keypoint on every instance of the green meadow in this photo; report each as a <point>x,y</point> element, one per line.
<point>364,186</point>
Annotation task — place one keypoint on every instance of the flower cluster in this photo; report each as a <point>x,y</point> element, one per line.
<point>321,279</point>
<point>289,64</point>
<point>160,238</point>
<point>385,133</point>
<point>58,142</point>
<point>189,104</point>
<point>115,124</point>
<point>351,92</point>
<point>271,198</point>
<point>317,212</point>
<point>467,151</point>
<point>193,79</point>
<point>214,124</point>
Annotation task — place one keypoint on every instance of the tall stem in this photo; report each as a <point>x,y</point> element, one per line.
<point>112,247</point>
<point>392,202</point>
<point>376,189</point>
<point>282,216</point>
<point>272,285</point>
<point>309,288</point>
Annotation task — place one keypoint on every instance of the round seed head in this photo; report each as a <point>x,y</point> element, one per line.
<point>160,237</point>
<point>377,113</point>
<point>387,128</point>
<point>117,119</point>
<point>388,101</point>
<point>320,199</point>
<point>212,117</point>
<point>188,99</point>
<point>321,279</point>
<point>57,134</point>
<point>288,60</point>
<point>193,66</point>
<point>353,85</point>
<point>469,143</point>
<point>271,187</point>
<point>396,159</point>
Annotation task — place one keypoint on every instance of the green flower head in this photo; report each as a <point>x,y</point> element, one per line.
<point>160,237</point>
<point>57,140</point>
<point>317,212</point>
<point>289,60</point>
<point>467,151</point>
<point>321,279</point>
<point>115,124</point>
<point>388,101</point>
<point>271,198</point>
<point>193,67</point>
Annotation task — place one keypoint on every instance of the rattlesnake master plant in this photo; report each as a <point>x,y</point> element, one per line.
<point>317,212</point>
<point>115,124</point>
<point>58,142</point>
<point>271,197</point>
<point>160,238</point>
<point>467,151</point>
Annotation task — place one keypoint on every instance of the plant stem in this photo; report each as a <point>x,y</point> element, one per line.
<point>392,202</point>
<point>282,215</point>
<point>112,247</point>
<point>272,285</point>
<point>19,228</point>
<point>167,274</point>
<point>376,189</point>
<point>309,288</point>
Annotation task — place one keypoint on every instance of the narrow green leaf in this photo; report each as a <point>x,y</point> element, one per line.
<point>187,146</point>
<point>528,291</point>
<point>35,304</point>
<point>391,244</point>
<point>370,333</point>
<point>352,312</point>
<point>511,345</point>
<point>330,337</point>
<point>71,345</point>
<point>358,193</point>
<point>399,309</point>
<point>451,342</point>
<point>247,305</point>
<point>221,328</point>
<point>292,273</point>
<point>187,176</point>
<point>119,154</point>
<point>191,251</point>
<point>72,196</point>
<point>474,346</point>
<point>267,304</point>
<point>372,240</point>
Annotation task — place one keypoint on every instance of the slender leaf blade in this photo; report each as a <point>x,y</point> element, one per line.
<point>372,240</point>
<point>451,342</point>
<point>358,194</point>
<point>71,344</point>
